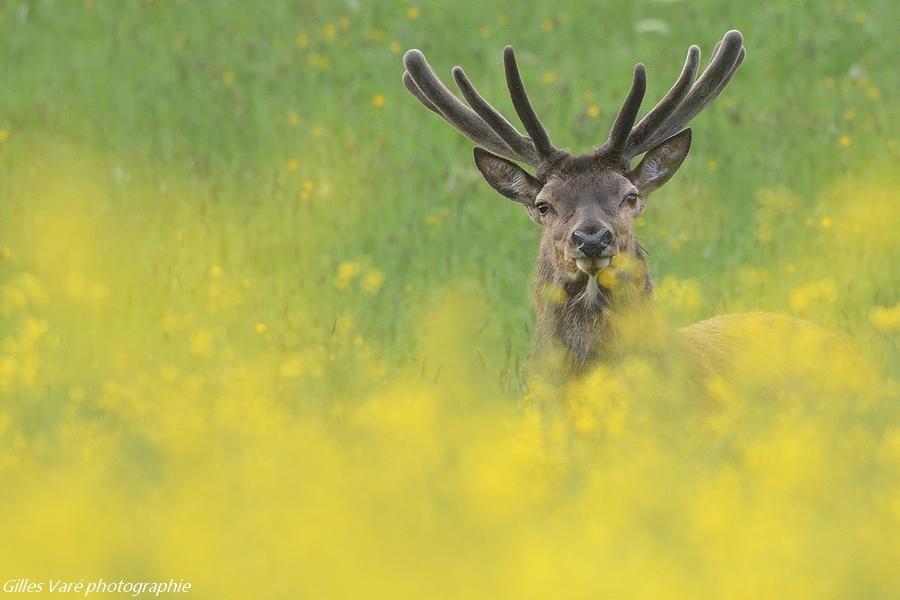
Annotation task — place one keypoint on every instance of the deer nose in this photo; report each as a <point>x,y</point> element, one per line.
<point>593,244</point>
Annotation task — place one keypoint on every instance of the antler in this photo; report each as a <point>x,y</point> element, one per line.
<point>682,103</point>
<point>482,123</point>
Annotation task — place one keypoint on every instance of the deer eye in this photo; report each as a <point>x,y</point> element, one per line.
<point>631,198</point>
<point>543,208</point>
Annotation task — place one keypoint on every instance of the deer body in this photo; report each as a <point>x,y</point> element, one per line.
<point>591,269</point>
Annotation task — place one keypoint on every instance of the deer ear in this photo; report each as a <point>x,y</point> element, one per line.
<point>507,177</point>
<point>660,163</point>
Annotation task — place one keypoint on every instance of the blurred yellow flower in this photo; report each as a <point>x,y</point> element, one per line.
<point>549,77</point>
<point>886,318</point>
<point>378,100</point>
<point>293,119</point>
<point>346,272</point>
<point>302,41</point>
<point>260,327</point>
<point>293,164</point>
<point>372,281</point>
<point>200,343</point>
<point>215,271</point>
<point>825,222</point>
<point>679,295</point>
<point>3,134</point>
<point>395,47</point>
<point>821,294</point>
<point>548,25</point>
<point>844,141</point>
<point>412,13</point>
<point>292,367</point>
<point>329,31</point>
<point>593,111</point>
<point>227,77</point>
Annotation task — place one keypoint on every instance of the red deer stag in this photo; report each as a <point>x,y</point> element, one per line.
<point>586,205</point>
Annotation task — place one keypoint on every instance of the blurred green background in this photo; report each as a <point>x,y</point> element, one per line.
<point>283,125</point>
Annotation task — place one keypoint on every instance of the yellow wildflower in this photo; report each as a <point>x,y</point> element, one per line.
<point>372,281</point>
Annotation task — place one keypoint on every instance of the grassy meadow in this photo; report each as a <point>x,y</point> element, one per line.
<point>264,327</point>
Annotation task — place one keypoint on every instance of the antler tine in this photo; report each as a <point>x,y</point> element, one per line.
<point>449,106</point>
<point>725,61</point>
<point>413,89</point>
<point>667,104</point>
<point>618,136</point>
<point>523,107</point>
<point>515,140</point>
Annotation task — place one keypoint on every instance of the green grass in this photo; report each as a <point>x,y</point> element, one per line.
<point>141,88</point>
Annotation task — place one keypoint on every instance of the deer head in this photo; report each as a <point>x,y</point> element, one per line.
<point>586,205</point>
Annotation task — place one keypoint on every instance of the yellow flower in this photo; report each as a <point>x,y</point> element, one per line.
<point>346,272</point>
<point>215,271</point>
<point>261,327</point>
<point>549,77</point>
<point>825,223</point>
<point>292,366</point>
<point>822,294</point>
<point>3,134</point>
<point>503,19</point>
<point>371,283</point>
<point>844,141</point>
<point>329,31</point>
<point>378,100</point>
<point>712,165</point>
<point>227,77</point>
<point>412,13</point>
<point>200,343</point>
<point>548,25</point>
<point>302,41</point>
<point>293,164</point>
<point>885,318</point>
<point>395,47</point>
<point>593,111</point>
<point>293,119</point>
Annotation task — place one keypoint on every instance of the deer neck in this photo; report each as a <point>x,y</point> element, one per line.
<point>576,318</point>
